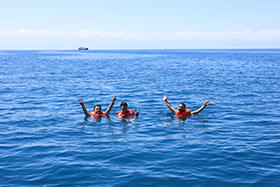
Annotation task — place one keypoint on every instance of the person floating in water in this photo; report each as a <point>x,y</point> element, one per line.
<point>125,112</point>
<point>182,111</point>
<point>97,111</point>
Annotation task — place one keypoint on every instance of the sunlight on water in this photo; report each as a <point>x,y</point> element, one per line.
<point>46,140</point>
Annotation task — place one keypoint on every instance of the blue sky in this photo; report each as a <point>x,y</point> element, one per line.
<point>139,24</point>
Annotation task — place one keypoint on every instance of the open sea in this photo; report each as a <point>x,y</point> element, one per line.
<point>46,139</point>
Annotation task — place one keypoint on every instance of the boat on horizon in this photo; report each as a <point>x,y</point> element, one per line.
<point>83,48</point>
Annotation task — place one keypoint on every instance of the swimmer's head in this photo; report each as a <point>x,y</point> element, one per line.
<point>182,107</point>
<point>123,106</point>
<point>97,109</point>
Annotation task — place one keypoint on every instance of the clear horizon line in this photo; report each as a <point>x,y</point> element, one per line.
<point>230,48</point>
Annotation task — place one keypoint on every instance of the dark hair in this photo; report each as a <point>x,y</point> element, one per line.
<point>183,104</point>
<point>96,106</point>
<point>123,103</point>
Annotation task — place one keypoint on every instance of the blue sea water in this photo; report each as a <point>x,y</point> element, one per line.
<point>46,140</point>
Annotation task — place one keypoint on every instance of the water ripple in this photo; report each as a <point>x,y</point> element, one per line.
<point>47,141</point>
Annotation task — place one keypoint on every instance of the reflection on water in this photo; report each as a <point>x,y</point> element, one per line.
<point>115,129</point>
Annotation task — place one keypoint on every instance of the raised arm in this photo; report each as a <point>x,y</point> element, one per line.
<point>167,104</point>
<point>111,105</point>
<point>84,108</point>
<point>201,108</point>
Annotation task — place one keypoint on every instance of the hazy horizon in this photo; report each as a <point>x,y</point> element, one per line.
<point>32,25</point>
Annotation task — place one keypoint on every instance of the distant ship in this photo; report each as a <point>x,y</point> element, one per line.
<point>83,48</point>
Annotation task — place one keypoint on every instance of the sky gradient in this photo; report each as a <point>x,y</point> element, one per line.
<point>139,24</point>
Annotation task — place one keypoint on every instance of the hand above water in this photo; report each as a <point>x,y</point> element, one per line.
<point>115,98</point>
<point>137,111</point>
<point>207,102</point>
<point>81,102</point>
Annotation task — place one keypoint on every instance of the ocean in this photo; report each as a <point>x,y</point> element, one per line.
<point>46,139</point>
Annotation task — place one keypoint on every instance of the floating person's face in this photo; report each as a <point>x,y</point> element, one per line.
<point>97,109</point>
<point>181,108</point>
<point>124,106</point>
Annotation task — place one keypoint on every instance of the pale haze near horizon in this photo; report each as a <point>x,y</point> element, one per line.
<point>154,24</point>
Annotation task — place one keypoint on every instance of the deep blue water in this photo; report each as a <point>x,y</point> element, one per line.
<point>46,140</point>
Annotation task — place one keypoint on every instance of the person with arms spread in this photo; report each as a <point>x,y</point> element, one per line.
<point>97,111</point>
<point>125,112</point>
<point>182,111</point>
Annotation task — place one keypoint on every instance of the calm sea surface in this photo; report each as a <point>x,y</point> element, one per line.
<point>46,140</point>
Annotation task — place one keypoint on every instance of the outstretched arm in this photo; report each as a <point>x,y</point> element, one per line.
<point>84,108</point>
<point>167,104</point>
<point>111,105</point>
<point>201,108</point>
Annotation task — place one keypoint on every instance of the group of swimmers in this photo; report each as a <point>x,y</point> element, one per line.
<point>181,112</point>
